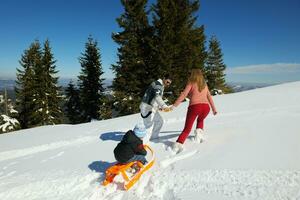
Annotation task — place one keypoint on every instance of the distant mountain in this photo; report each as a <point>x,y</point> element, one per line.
<point>9,84</point>
<point>239,87</point>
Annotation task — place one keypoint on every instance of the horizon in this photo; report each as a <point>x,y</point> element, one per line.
<point>253,42</point>
<point>9,84</point>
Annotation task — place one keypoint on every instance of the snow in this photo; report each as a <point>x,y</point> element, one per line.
<point>12,110</point>
<point>9,123</point>
<point>251,152</point>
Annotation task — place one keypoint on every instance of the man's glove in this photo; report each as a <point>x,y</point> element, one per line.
<point>168,109</point>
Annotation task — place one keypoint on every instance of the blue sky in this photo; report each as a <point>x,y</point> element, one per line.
<point>253,34</point>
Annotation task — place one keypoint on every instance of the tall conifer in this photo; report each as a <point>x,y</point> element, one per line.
<point>25,94</point>
<point>37,93</point>
<point>51,110</point>
<point>90,81</point>
<point>215,67</point>
<point>180,43</point>
<point>133,70</point>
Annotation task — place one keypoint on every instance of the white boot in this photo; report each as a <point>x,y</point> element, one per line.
<point>199,135</point>
<point>177,147</point>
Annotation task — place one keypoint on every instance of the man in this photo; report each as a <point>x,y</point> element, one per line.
<point>151,103</point>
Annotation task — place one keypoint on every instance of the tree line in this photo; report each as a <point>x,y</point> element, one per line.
<point>162,38</point>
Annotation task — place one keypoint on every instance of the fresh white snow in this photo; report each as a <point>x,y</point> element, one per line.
<point>9,123</point>
<point>252,151</point>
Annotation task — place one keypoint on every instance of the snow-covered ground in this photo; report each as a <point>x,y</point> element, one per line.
<point>252,152</point>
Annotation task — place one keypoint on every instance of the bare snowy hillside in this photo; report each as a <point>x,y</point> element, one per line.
<point>251,152</point>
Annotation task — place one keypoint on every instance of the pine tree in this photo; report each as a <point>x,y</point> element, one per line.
<point>164,21</point>
<point>37,93</point>
<point>8,114</point>
<point>73,111</point>
<point>90,81</point>
<point>180,44</point>
<point>25,95</point>
<point>215,67</point>
<point>134,70</point>
<point>39,88</point>
<point>46,92</point>
<point>52,113</point>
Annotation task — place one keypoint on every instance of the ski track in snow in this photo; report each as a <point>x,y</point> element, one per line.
<point>7,155</point>
<point>53,157</point>
<point>182,155</point>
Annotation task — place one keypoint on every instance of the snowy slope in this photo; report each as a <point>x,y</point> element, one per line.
<point>252,152</point>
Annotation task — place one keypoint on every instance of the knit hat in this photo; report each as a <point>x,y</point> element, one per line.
<point>140,130</point>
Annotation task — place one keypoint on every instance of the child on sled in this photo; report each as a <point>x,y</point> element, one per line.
<point>131,147</point>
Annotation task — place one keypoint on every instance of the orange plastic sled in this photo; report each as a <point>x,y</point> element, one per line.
<point>118,168</point>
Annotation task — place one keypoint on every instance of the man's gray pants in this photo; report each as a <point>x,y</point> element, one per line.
<point>153,124</point>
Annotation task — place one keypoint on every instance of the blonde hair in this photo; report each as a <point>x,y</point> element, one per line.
<point>198,78</point>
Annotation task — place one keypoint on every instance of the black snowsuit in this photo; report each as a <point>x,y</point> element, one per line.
<point>128,147</point>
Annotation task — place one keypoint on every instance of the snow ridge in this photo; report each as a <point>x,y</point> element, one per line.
<point>251,152</point>
<point>7,155</point>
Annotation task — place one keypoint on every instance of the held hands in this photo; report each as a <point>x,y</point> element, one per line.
<point>168,109</point>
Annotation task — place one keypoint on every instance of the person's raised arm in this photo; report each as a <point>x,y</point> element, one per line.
<point>183,94</point>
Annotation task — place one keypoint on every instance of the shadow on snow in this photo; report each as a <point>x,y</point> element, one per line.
<point>114,136</point>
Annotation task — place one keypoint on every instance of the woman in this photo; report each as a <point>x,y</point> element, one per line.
<point>199,107</point>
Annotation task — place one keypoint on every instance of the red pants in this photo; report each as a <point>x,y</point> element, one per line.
<point>200,110</point>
